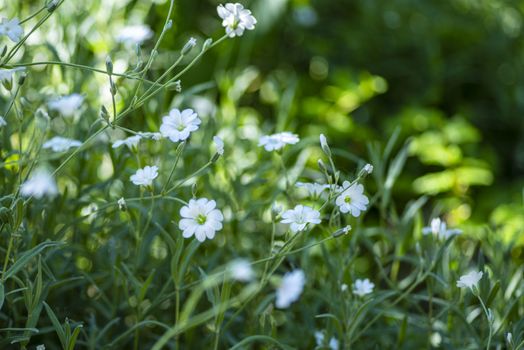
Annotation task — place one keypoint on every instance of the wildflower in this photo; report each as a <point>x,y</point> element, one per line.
<point>40,347</point>
<point>368,168</point>
<point>314,189</point>
<point>300,216</point>
<point>40,184</point>
<point>131,142</point>
<point>2,122</point>
<point>12,29</point>
<point>135,34</point>
<point>333,342</point>
<point>363,287</point>
<point>277,141</point>
<point>67,105</point>
<point>6,75</point>
<point>178,125</point>
<point>61,144</point>
<point>200,218</point>
<point>290,288</point>
<point>145,176</point>
<point>470,280</point>
<point>188,46</point>
<point>439,229</point>
<point>236,19</point>
<point>122,205</point>
<point>344,287</point>
<point>352,199</point>
<point>219,145</point>
<point>241,270</point>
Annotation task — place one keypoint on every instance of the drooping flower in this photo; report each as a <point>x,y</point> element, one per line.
<point>178,125</point>
<point>12,29</point>
<point>219,145</point>
<point>2,122</point>
<point>333,342</point>
<point>201,218</point>
<point>241,270</point>
<point>131,142</point>
<point>300,216</point>
<point>145,176</point>
<point>352,199</point>
<point>277,141</point>
<point>134,34</point>
<point>61,144</point>
<point>314,189</point>
<point>363,287</point>
<point>290,289</point>
<point>470,280</point>
<point>236,19</point>
<point>40,184</point>
<point>67,105</point>
<point>439,229</point>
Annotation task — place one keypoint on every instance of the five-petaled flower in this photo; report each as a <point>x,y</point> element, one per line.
<point>219,145</point>
<point>352,199</point>
<point>300,216</point>
<point>61,144</point>
<point>200,218</point>
<point>439,229</point>
<point>12,29</point>
<point>236,19</point>
<point>277,141</point>
<point>241,270</point>
<point>178,125</point>
<point>470,280</point>
<point>290,288</point>
<point>363,287</point>
<point>67,105</point>
<point>40,184</point>
<point>145,176</point>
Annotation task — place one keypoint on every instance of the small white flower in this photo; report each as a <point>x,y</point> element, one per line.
<point>61,144</point>
<point>12,29</point>
<point>122,205</point>
<point>470,280</point>
<point>236,19</point>
<point>440,230</point>
<point>67,105</point>
<point>131,142</point>
<point>323,141</point>
<point>178,125</point>
<point>201,218</point>
<point>277,141</point>
<point>40,347</point>
<point>151,135</point>
<point>219,145</point>
<point>352,199</point>
<point>40,184</point>
<point>509,338</point>
<point>333,342</point>
<point>314,189</point>
<point>189,45</point>
<point>344,287</point>
<point>6,75</point>
<point>89,212</point>
<point>300,216</point>
<point>241,270</point>
<point>368,168</point>
<point>363,287</point>
<point>290,288</point>
<point>145,176</point>
<point>2,122</point>
<point>135,34</point>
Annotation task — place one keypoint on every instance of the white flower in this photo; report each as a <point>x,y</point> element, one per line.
<point>368,168</point>
<point>440,230</point>
<point>300,216</point>
<point>352,199</point>
<point>344,287</point>
<point>122,205</point>
<point>219,145</point>
<point>135,34</point>
<point>201,218</point>
<point>151,135</point>
<point>363,287</point>
<point>470,280</point>
<point>323,141</point>
<point>131,142</point>
<point>40,347</point>
<point>333,342</point>
<point>67,105</point>
<point>12,29</point>
<point>178,125</point>
<point>188,46</point>
<point>241,270</point>
<point>61,144</point>
<point>236,19</point>
<point>2,122</point>
<point>145,176</point>
<point>290,288</point>
<point>7,74</point>
<point>40,184</point>
<point>314,189</point>
<point>277,141</point>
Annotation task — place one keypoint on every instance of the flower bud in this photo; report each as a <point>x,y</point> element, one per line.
<point>4,51</point>
<point>21,79</point>
<point>324,145</point>
<point>109,65</point>
<point>169,25</point>
<point>342,231</point>
<point>122,205</point>
<point>51,6</point>
<point>188,46</point>
<point>207,44</point>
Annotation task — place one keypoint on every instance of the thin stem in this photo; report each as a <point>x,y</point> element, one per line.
<point>487,313</point>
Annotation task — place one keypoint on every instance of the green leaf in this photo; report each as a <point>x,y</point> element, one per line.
<point>27,256</point>
<point>57,326</point>
<point>2,295</point>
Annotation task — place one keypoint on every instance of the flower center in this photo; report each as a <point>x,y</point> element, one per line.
<point>180,127</point>
<point>347,199</point>
<point>201,219</point>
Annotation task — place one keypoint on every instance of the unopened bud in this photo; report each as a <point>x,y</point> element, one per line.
<point>109,65</point>
<point>21,79</point>
<point>207,44</point>
<point>4,51</point>
<point>366,170</point>
<point>169,25</point>
<point>342,231</point>
<point>194,190</point>
<point>122,205</point>
<point>112,88</point>
<point>104,114</point>
<point>322,166</point>
<point>188,46</point>
<point>324,145</point>
<point>52,5</point>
